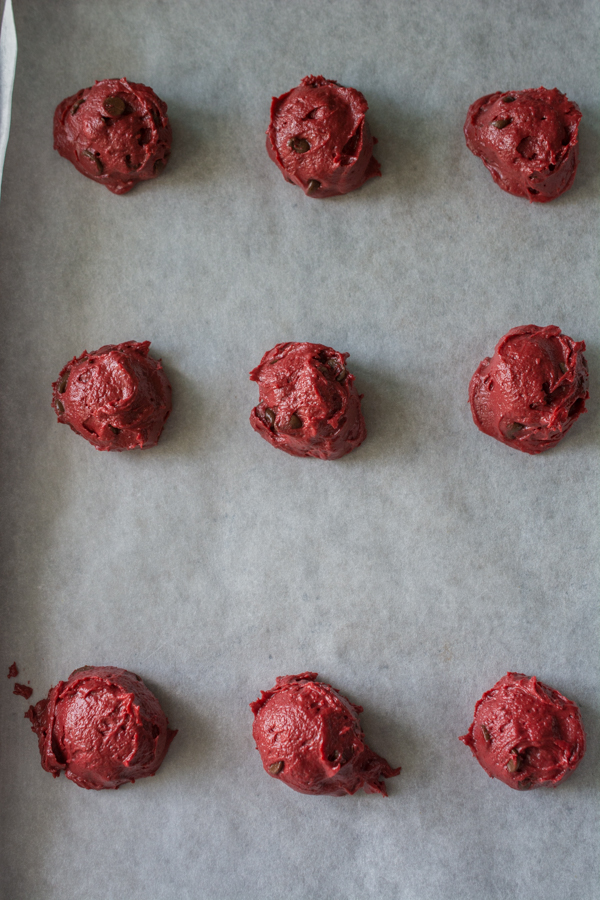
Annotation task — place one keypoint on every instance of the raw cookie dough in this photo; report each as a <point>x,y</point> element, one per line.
<point>116,133</point>
<point>319,138</point>
<point>117,398</point>
<point>525,733</point>
<point>532,390</point>
<point>102,727</point>
<point>309,737</point>
<point>527,140</point>
<point>308,403</point>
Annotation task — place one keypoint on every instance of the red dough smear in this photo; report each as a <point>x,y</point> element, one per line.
<point>309,737</point>
<point>12,670</point>
<point>528,141</point>
<point>308,403</point>
<point>116,133</point>
<point>102,728</point>
<point>525,733</point>
<point>319,138</point>
<point>117,398</point>
<point>529,394</point>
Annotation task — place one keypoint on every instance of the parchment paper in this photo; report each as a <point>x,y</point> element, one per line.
<point>413,573</point>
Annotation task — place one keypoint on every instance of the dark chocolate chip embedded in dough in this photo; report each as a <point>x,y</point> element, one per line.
<point>341,375</point>
<point>295,421</point>
<point>276,767</point>
<point>524,785</point>
<point>508,99</point>
<point>313,186</point>
<point>501,123</point>
<point>514,764</point>
<point>114,106</point>
<point>114,430</point>
<point>486,735</point>
<point>299,145</point>
<point>60,407</point>
<point>513,430</point>
<point>62,384</point>
<point>91,155</point>
<point>270,416</point>
<point>76,105</point>
<point>563,368</point>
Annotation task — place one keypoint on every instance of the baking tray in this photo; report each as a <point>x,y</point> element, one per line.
<point>411,574</point>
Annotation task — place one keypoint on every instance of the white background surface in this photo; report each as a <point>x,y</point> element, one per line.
<point>413,573</point>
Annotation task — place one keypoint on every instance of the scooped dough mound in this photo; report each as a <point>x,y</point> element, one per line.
<point>527,140</point>
<point>116,133</point>
<point>529,394</point>
<point>309,737</point>
<point>308,404</point>
<point>319,138</point>
<point>102,728</point>
<point>525,733</point>
<point>117,398</point>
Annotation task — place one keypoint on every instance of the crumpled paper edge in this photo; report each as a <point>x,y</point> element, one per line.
<point>8,62</point>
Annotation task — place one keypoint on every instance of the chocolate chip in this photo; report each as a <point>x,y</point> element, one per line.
<point>62,384</point>
<point>270,416</point>
<point>513,430</point>
<point>276,767</point>
<point>514,763</point>
<point>76,105</point>
<point>508,99</point>
<point>524,785</point>
<point>334,756</point>
<point>114,106</point>
<point>295,421</point>
<point>501,123</point>
<point>59,407</point>
<point>313,186</point>
<point>486,735</point>
<point>114,430</point>
<point>341,375</point>
<point>91,155</point>
<point>159,166</point>
<point>563,368</point>
<point>299,145</point>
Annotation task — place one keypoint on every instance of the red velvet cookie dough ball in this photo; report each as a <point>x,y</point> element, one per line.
<point>532,390</point>
<point>308,403</point>
<point>319,138</point>
<point>102,728</point>
<point>309,737</point>
<point>527,140</point>
<point>117,398</point>
<point>525,733</point>
<point>116,133</point>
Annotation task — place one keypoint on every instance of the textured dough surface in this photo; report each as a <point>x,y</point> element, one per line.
<point>309,737</point>
<point>528,141</point>
<point>102,728</point>
<point>319,138</point>
<point>117,398</point>
<point>116,133</point>
<point>308,404</point>
<point>525,733</point>
<point>529,394</point>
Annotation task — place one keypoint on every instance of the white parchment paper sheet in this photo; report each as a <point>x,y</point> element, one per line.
<point>413,573</point>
